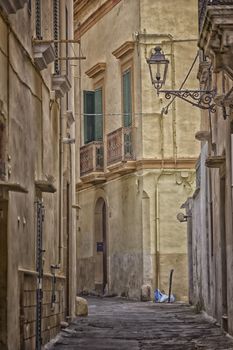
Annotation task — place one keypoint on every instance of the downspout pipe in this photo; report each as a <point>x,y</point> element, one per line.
<point>60,187</point>
<point>157,228</point>
<point>232,169</point>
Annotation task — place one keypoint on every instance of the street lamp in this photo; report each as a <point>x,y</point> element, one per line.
<point>158,66</point>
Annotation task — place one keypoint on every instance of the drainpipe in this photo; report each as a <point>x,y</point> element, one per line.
<point>60,189</point>
<point>157,219</point>
<point>157,222</point>
<point>59,31</point>
<point>231,171</point>
<point>188,208</point>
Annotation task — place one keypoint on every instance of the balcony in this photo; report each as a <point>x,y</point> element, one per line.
<point>203,8</point>
<point>60,84</point>
<point>216,33</point>
<point>44,54</point>
<point>120,150</point>
<point>92,162</point>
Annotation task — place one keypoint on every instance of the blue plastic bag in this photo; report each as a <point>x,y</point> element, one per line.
<point>158,296</point>
<point>162,297</point>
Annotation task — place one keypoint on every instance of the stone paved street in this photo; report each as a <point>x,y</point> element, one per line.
<point>116,324</point>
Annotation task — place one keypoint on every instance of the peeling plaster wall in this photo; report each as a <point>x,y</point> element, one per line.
<point>124,245</point>
<point>132,252</point>
<point>169,136</point>
<point>210,249</point>
<point>145,240</point>
<point>32,152</point>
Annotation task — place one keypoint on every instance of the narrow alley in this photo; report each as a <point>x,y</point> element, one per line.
<point>116,171</point>
<point>114,324</point>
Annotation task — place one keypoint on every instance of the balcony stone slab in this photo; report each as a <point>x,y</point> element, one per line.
<point>61,85</point>
<point>216,37</point>
<point>45,186</point>
<point>44,54</point>
<point>12,186</point>
<point>215,161</point>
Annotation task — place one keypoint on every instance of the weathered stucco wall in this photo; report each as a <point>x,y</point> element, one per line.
<point>124,246</point>
<point>212,209</point>
<point>212,221</point>
<point>32,136</point>
<point>139,251</point>
<point>145,240</point>
<point>169,135</point>
<point>103,42</point>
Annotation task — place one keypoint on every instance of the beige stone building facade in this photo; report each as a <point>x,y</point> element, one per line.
<point>137,164</point>
<point>210,209</point>
<point>37,164</point>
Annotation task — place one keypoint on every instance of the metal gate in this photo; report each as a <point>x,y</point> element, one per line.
<point>39,269</point>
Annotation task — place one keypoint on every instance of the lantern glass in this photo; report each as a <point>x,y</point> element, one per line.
<point>158,65</point>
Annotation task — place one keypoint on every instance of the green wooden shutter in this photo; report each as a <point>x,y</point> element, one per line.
<point>127,99</point>
<point>89,116</point>
<point>98,115</point>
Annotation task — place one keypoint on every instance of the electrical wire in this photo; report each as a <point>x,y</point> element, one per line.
<point>120,114</point>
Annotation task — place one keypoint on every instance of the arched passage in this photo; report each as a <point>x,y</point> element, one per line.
<point>100,246</point>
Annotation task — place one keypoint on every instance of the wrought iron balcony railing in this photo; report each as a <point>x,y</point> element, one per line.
<point>198,173</point>
<point>120,145</point>
<point>91,158</point>
<point>203,8</point>
<point>2,170</point>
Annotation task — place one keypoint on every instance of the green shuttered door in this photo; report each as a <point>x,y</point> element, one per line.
<point>89,116</point>
<point>93,116</point>
<point>98,116</point>
<point>127,99</point>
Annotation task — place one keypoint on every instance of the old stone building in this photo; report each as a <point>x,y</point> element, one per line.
<point>37,164</point>
<point>137,164</point>
<point>210,209</point>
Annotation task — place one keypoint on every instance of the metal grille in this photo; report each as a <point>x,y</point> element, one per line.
<point>92,158</point>
<point>2,170</point>
<point>56,32</point>
<point>30,7</point>
<point>39,269</point>
<point>198,173</point>
<point>120,145</point>
<point>38,19</point>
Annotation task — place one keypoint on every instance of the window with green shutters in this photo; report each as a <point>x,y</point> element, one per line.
<point>89,116</point>
<point>93,116</point>
<point>127,98</point>
<point>98,115</point>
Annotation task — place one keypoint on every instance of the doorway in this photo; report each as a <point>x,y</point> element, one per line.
<point>100,247</point>
<point>223,254</point>
<point>68,313</point>
<point>3,273</point>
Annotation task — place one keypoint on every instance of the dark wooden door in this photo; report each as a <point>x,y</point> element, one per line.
<point>3,273</point>
<point>105,270</point>
<point>223,253</point>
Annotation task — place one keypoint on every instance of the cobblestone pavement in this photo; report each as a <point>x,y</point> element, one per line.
<point>116,324</point>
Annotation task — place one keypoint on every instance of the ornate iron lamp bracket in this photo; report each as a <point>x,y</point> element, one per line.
<point>200,98</point>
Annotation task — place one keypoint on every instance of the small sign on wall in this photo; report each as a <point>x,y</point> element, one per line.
<point>100,246</point>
